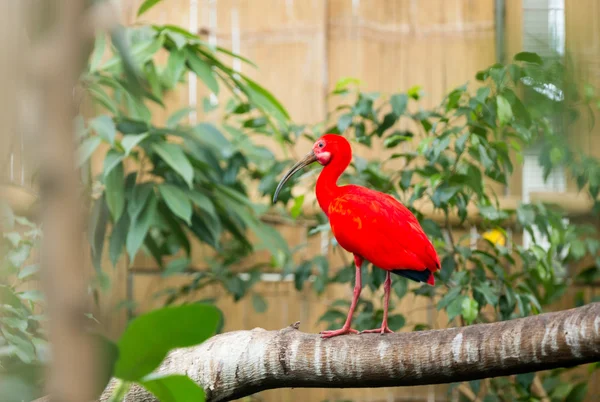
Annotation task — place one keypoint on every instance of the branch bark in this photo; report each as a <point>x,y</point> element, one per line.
<point>240,363</point>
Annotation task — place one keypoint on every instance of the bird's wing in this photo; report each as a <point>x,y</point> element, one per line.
<point>380,229</point>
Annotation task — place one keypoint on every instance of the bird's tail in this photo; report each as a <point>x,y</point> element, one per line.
<point>425,276</point>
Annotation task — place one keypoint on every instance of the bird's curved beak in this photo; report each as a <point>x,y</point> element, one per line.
<point>307,160</point>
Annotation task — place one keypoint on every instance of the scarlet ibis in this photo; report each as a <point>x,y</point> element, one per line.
<point>369,224</point>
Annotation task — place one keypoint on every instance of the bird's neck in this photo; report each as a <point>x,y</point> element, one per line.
<point>327,187</point>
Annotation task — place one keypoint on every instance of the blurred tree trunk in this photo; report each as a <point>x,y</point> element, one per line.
<point>54,62</point>
<point>236,364</point>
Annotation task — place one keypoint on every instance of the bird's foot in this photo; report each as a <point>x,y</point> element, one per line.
<point>337,332</point>
<point>383,330</point>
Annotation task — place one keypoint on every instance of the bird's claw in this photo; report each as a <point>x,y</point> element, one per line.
<point>337,332</point>
<point>382,330</point>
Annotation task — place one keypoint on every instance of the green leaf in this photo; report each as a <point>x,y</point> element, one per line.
<point>99,45</point>
<point>105,127</point>
<point>8,296</point>
<point>130,126</point>
<point>452,294</point>
<point>400,287</point>
<point>132,58</point>
<point>202,202</point>
<point>97,230</point>
<point>475,386</point>
<point>149,337</point>
<point>268,237</point>
<point>211,136</point>
<point>115,191</point>
<point>118,237</point>
<point>179,115</point>
<point>203,70</point>
<point>13,237</point>
<point>18,256</point>
<point>505,114</point>
<point>397,137</point>
<point>448,267</point>
<point>302,274</point>
<point>108,353</point>
<point>102,97</point>
<point>525,380</point>
<point>179,39</point>
<point>344,122</point>
<point>332,316</point>
<point>415,92</point>
<point>139,227</point>
<point>147,5</point>
<point>265,100</point>
<point>140,194</point>
<point>131,141</point>
<point>396,322</point>
<point>28,271</point>
<point>488,293</point>
<point>24,349</point>
<point>399,103</point>
<point>322,274</point>
<point>259,303</point>
<point>177,201</point>
<point>174,156</point>
<point>173,388</point>
<point>578,393</point>
<point>236,56</point>
<point>470,309</point>
<point>455,307</point>
<point>406,179</point>
<point>296,209</point>
<point>443,194</point>
<point>174,68</point>
<point>529,57</point>
<point>113,159</point>
<point>177,266</point>
<point>32,295</point>
<point>344,83</point>
<point>87,149</point>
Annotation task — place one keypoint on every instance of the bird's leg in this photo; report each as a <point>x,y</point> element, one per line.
<point>357,288</point>
<point>387,286</point>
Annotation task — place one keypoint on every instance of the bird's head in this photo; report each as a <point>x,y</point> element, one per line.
<point>324,150</point>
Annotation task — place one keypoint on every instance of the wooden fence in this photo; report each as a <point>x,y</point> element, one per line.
<point>302,48</point>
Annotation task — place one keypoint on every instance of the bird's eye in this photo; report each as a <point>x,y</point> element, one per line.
<point>321,145</point>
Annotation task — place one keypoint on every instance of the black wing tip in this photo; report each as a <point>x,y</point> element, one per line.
<point>425,276</point>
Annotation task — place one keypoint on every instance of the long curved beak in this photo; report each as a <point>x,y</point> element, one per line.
<point>307,160</point>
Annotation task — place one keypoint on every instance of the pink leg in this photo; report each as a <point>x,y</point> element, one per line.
<point>357,288</point>
<point>387,286</point>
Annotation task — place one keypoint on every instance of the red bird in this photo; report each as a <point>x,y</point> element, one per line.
<point>369,224</point>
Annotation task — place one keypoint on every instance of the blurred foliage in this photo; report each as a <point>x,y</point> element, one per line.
<point>134,359</point>
<point>163,185</point>
<point>446,158</point>
<point>23,345</point>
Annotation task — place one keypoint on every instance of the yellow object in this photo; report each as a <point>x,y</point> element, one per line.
<point>495,236</point>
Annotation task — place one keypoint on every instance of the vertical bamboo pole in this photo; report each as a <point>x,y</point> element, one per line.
<point>57,60</point>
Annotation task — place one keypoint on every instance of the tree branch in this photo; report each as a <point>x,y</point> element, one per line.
<point>240,363</point>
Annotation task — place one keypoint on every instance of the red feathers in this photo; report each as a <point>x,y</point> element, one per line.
<point>373,226</point>
<point>369,223</point>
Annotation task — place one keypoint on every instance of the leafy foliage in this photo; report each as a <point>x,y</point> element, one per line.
<point>149,338</point>
<point>458,153</point>
<point>23,342</point>
<point>162,184</point>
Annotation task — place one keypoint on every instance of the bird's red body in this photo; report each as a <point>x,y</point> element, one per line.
<point>381,230</point>
<point>372,225</point>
